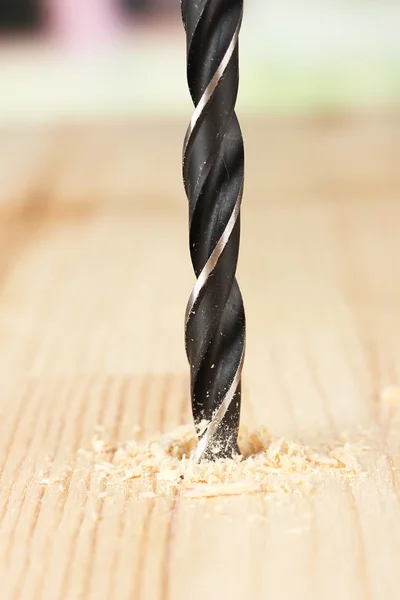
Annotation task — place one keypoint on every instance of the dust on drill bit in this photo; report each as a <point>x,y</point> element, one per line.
<point>162,465</point>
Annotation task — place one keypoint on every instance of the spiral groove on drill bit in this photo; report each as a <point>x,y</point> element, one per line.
<point>213,173</point>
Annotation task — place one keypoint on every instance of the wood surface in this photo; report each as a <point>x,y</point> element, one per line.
<point>94,278</point>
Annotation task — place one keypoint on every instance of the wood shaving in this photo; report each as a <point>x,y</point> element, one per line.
<point>162,465</point>
<point>222,489</point>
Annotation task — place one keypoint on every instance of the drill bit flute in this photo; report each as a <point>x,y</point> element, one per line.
<point>213,173</point>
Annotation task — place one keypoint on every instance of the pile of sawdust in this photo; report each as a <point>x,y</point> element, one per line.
<point>163,465</point>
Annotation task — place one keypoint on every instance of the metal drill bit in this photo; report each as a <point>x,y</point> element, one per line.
<point>213,174</point>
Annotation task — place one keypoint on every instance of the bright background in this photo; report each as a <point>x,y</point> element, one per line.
<point>63,60</point>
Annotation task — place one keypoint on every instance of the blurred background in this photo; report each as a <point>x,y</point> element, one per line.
<point>93,109</point>
<point>73,59</point>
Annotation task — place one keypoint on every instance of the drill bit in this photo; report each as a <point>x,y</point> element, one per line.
<point>213,174</point>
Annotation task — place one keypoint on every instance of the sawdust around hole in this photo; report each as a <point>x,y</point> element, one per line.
<point>162,465</point>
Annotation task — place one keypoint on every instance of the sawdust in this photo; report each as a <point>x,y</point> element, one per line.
<point>162,465</point>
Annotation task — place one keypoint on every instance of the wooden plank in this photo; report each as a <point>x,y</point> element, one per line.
<point>93,292</point>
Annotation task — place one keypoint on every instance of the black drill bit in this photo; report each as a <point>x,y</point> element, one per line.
<point>213,174</point>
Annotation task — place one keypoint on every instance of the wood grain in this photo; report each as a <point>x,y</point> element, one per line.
<point>94,278</point>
